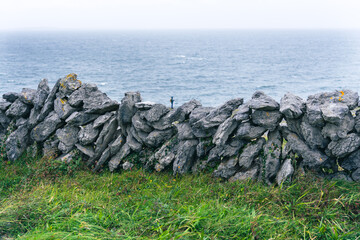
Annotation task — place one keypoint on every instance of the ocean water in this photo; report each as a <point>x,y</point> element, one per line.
<point>211,66</point>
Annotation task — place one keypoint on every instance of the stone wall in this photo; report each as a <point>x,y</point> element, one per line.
<point>259,139</point>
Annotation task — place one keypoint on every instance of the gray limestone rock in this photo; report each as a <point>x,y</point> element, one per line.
<point>335,132</point>
<point>41,94</point>
<point>144,105</point>
<point>342,176</point>
<point>334,112</point>
<point>311,157</point>
<point>224,131</point>
<point>116,145</point>
<point>69,84</point>
<point>347,97</point>
<point>246,175</point>
<point>86,150</point>
<point>357,121</point>
<point>105,156</point>
<point>312,135</point>
<point>156,137</point>
<point>260,101</point>
<point>49,102</point>
<point>127,107</point>
<point>63,108</point>
<point>21,122</point>
<point>4,105</point>
<point>168,120</point>
<point>127,166</point>
<point>292,106</point>
<point>17,142</point>
<point>18,109</point>
<point>133,143</point>
<point>50,147</point>
<point>68,157</point>
<point>67,137</point>
<point>285,173</point>
<point>76,99</point>
<point>32,120</point>
<point>199,113</point>
<point>267,119</point>
<point>204,147</point>
<point>154,113</point>
<point>230,149</point>
<point>242,113</point>
<point>227,168</point>
<point>344,146</point>
<point>313,113</point>
<point>4,120</point>
<point>116,160</point>
<point>88,134</point>
<point>11,96</point>
<point>185,156</point>
<point>139,135</point>
<point>272,155</point>
<point>140,124</point>
<point>250,152</point>
<point>188,107</point>
<point>247,131</point>
<point>184,131</point>
<point>352,162</point>
<point>101,120</point>
<point>27,96</point>
<point>81,118</point>
<point>356,175</point>
<point>44,129</point>
<point>166,154</point>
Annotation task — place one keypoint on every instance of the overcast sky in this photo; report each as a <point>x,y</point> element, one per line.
<point>177,14</point>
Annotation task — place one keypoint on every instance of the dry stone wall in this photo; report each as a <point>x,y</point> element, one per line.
<point>258,139</point>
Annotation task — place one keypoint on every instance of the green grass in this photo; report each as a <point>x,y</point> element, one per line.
<point>43,199</point>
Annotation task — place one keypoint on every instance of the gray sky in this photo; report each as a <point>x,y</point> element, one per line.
<point>177,14</point>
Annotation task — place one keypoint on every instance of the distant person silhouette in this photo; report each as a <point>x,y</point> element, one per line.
<point>172,102</point>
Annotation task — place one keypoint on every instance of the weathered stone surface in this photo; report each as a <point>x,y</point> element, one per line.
<point>243,176</point>
<point>313,113</point>
<point>185,156</point>
<point>11,96</point>
<point>184,131</point>
<point>63,108</point>
<point>133,143</point>
<point>230,149</point>
<point>127,107</point>
<point>116,160</point>
<point>311,157</point>
<point>44,129</point>
<point>247,131</point>
<point>116,144</point>
<point>76,99</point>
<point>267,119</point>
<point>4,105</point>
<point>272,155</point>
<point>260,101</point>
<point>67,137</point>
<point>334,112</point>
<point>4,120</point>
<point>242,113</point>
<point>356,175</point>
<point>144,105</point>
<point>352,162</point>
<point>250,152</point>
<point>357,121</point>
<point>166,154</point>
<point>312,135</point>
<point>127,166</point>
<point>88,134</point>
<point>17,142</point>
<point>87,150</point>
<point>20,122</point>
<point>27,96</point>
<point>344,146</point>
<point>156,137</point>
<point>204,147</point>
<point>18,109</point>
<point>68,157</point>
<point>187,108</point>
<point>224,131</point>
<point>69,84</point>
<point>335,132</point>
<point>140,124</point>
<point>155,113</point>
<point>105,156</point>
<point>292,106</point>
<point>103,119</point>
<point>41,94</point>
<point>348,97</point>
<point>32,120</point>
<point>342,176</point>
<point>138,135</point>
<point>199,113</point>
<point>285,173</point>
<point>168,120</point>
<point>49,102</point>
<point>50,147</point>
<point>227,168</point>
<point>80,118</point>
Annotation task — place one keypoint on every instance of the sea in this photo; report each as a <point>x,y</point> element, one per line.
<point>212,66</point>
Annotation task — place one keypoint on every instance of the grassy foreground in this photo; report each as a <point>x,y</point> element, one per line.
<point>43,199</point>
